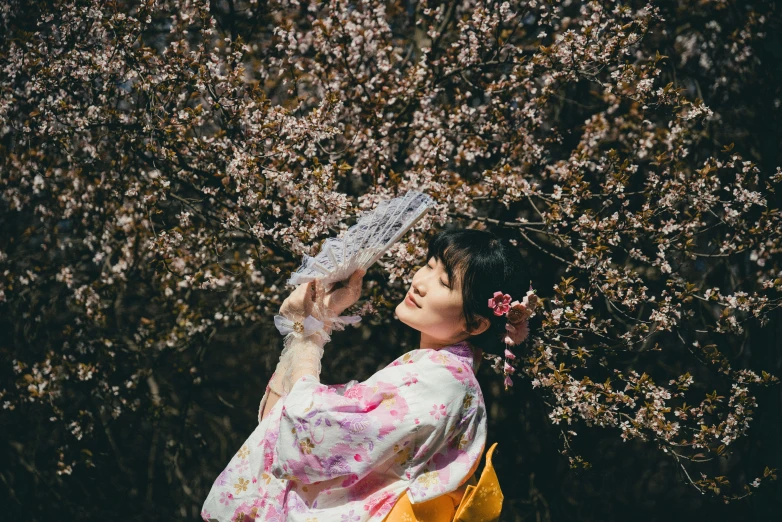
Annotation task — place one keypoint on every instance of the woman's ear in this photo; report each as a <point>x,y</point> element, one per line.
<point>483,325</point>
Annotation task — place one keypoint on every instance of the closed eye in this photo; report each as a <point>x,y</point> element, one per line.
<point>430,267</point>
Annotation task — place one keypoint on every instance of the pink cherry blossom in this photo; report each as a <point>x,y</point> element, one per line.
<point>167,164</point>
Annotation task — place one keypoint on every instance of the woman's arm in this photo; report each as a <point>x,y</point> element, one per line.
<point>271,400</point>
<point>424,417</point>
<point>302,355</point>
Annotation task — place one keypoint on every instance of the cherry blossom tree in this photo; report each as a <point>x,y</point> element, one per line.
<point>166,163</point>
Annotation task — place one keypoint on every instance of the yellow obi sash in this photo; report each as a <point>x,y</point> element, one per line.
<point>480,503</point>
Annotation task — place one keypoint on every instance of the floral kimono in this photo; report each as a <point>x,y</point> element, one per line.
<point>347,453</point>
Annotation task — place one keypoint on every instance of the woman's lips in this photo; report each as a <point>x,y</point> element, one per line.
<point>410,302</point>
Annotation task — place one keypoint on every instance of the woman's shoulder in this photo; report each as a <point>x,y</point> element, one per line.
<point>442,356</point>
<point>456,362</point>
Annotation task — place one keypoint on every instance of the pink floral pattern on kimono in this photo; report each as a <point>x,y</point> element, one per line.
<point>349,452</point>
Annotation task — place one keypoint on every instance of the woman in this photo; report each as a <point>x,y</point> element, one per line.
<point>416,428</point>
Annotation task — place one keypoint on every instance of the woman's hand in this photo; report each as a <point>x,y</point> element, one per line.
<point>342,295</point>
<point>300,303</point>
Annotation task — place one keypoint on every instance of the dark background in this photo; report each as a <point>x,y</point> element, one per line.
<point>159,462</point>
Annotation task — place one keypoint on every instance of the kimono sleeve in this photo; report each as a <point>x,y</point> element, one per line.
<point>426,418</point>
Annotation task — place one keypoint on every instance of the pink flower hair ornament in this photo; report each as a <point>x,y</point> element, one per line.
<point>517,326</point>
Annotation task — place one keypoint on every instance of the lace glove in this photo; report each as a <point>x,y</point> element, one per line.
<point>304,341</point>
<point>306,334</point>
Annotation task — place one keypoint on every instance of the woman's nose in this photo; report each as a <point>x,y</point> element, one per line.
<point>418,288</point>
<point>420,282</point>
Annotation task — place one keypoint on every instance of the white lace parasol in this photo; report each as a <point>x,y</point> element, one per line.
<point>365,242</point>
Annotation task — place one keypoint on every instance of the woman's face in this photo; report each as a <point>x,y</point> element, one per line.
<point>433,306</point>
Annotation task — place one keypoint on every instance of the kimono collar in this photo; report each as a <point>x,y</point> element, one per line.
<point>463,351</point>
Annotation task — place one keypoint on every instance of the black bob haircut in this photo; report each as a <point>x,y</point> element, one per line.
<point>483,263</point>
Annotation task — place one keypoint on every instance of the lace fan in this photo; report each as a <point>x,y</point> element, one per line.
<point>365,242</point>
